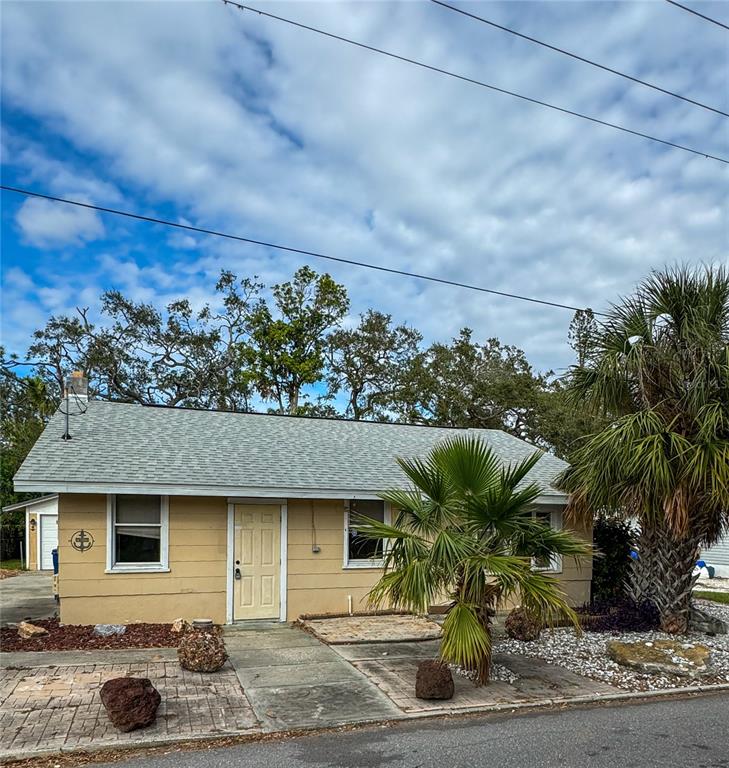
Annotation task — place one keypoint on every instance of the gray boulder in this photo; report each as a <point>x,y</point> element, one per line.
<point>662,657</point>
<point>701,621</point>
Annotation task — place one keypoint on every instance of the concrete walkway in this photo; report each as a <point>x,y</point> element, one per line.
<point>29,595</point>
<point>293,681</point>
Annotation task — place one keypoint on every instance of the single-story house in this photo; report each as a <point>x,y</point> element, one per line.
<point>172,512</point>
<point>41,530</point>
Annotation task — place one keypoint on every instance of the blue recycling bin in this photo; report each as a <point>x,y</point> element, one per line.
<point>54,556</point>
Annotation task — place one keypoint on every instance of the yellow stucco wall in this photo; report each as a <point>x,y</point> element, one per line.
<point>32,541</point>
<point>194,586</point>
<point>196,582</point>
<point>319,582</point>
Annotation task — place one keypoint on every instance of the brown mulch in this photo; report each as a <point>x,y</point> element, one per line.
<point>71,637</point>
<point>6,573</point>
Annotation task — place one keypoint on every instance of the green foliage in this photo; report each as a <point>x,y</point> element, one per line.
<point>658,370</point>
<point>611,568</point>
<point>287,346</point>
<point>715,597</point>
<point>27,403</point>
<point>368,363</point>
<point>466,384</point>
<point>466,529</point>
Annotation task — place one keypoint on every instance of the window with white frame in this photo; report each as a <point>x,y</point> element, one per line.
<point>138,532</point>
<point>360,551</point>
<point>552,519</point>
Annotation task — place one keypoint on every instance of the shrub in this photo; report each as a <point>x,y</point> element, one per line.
<point>624,616</point>
<point>522,625</point>
<point>611,568</point>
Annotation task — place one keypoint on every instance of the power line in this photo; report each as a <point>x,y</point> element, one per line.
<point>696,13</point>
<point>577,57</point>
<point>473,81</point>
<point>288,249</point>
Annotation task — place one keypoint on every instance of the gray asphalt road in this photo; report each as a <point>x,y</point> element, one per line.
<point>687,732</point>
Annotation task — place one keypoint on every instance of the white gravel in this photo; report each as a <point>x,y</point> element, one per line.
<point>586,655</point>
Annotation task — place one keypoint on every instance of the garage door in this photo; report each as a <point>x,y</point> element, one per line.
<point>48,540</point>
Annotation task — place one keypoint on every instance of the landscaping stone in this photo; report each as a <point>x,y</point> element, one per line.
<point>434,680</point>
<point>663,657</point>
<point>26,630</point>
<point>202,651</point>
<point>180,625</point>
<point>701,621</point>
<point>130,702</point>
<point>108,630</point>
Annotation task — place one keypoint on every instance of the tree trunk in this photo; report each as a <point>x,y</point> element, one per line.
<point>663,575</point>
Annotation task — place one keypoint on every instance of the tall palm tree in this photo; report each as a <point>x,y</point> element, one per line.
<point>658,366</point>
<point>466,529</point>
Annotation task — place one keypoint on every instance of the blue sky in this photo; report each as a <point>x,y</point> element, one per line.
<point>198,113</point>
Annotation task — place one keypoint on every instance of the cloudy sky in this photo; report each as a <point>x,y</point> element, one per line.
<point>199,113</point>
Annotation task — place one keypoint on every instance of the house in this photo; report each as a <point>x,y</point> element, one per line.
<point>172,512</point>
<point>41,530</point>
<point>717,556</point>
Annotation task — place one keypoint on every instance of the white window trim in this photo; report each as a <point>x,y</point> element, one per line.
<point>164,544</point>
<point>348,564</point>
<point>555,561</point>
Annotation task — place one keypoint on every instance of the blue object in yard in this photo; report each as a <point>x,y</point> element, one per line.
<point>54,555</point>
<point>634,555</point>
<point>700,564</point>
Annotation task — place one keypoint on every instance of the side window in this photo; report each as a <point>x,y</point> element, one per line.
<point>553,519</point>
<point>138,532</point>
<point>361,551</point>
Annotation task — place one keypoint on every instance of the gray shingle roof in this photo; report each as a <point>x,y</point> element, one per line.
<point>118,445</point>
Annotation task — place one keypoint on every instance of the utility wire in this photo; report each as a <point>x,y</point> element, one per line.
<point>577,57</point>
<point>473,81</point>
<point>696,13</point>
<point>288,249</point>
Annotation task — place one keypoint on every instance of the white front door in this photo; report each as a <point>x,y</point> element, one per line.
<point>48,540</point>
<point>257,561</point>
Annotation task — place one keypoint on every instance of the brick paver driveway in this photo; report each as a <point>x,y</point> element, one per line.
<point>58,708</point>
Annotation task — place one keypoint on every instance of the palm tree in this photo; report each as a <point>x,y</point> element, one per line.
<point>466,529</point>
<point>658,366</point>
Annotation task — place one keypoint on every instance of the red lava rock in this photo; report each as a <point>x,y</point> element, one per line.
<point>71,637</point>
<point>130,702</point>
<point>434,681</point>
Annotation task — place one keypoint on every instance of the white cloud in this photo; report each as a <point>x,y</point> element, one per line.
<point>247,125</point>
<point>46,224</point>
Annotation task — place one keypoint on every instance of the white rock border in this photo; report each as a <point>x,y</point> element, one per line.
<point>586,655</point>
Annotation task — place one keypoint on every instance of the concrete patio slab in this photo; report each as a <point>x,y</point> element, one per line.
<point>293,681</point>
<point>27,596</point>
<point>421,650</point>
<point>297,674</point>
<point>376,629</point>
<point>320,706</point>
<point>269,657</point>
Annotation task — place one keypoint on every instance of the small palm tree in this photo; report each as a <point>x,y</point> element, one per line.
<point>466,529</point>
<point>658,368</point>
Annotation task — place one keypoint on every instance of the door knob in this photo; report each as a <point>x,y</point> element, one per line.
<point>237,574</point>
